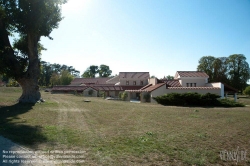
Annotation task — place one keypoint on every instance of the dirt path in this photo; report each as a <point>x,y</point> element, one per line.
<point>70,113</point>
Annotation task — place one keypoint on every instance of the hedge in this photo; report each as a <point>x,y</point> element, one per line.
<point>195,99</point>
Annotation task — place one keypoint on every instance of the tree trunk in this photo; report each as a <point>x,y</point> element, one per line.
<point>31,92</point>
<point>29,81</point>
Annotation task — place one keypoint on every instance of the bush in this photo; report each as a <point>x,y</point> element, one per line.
<point>12,83</point>
<point>102,94</point>
<point>191,98</point>
<point>195,99</point>
<point>247,91</point>
<point>229,103</point>
<point>209,99</point>
<point>120,95</point>
<point>124,96</point>
<point>170,99</point>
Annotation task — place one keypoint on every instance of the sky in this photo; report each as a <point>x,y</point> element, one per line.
<point>156,36</point>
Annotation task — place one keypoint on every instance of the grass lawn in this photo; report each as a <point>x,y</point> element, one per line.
<point>124,133</point>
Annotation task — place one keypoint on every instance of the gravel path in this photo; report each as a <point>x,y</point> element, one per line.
<point>16,155</point>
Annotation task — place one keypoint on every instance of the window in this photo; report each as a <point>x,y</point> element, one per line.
<point>141,82</point>
<point>134,82</point>
<point>194,84</point>
<point>191,84</point>
<point>187,84</point>
<point>127,82</point>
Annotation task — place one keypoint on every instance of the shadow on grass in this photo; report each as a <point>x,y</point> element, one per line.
<point>13,128</point>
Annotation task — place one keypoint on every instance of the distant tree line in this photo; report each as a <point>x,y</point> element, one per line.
<point>233,70</point>
<point>92,71</point>
<point>50,74</point>
<point>56,74</point>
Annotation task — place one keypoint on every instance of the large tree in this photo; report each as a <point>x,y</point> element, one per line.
<point>48,69</point>
<point>104,71</point>
<point>90,72</point>
<point>233,70</point>
<point>239,71</point>
<point>206,65</point>
<point>31,19</point>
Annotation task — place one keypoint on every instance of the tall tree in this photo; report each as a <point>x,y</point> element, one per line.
<point>31,19</point>
<point>66,77</point>
<point>206,65</point>
<point>104,71</point>
<point>220,70</point>
<point>90,72</point>
<point>233,70</point>
<point>48,69</point>
<point>239,71</point>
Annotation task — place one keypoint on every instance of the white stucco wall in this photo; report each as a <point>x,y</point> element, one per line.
<point>131,81</point>
<point>200,82</point>
<point>214,84</point>
<point>152,81</point>
<point>219,85</point>
<point>158,92</point>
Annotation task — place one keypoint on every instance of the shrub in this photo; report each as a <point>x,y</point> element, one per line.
<point>195,99</point>
<point>102,94</point>
<point>229,103</point>
<point>191,98</point>
<point>209,99</point>
<point>12,83</point>
<point>124,96</point>
<point>247,91</point>
<point>170,99</point>
<point>120,95</point>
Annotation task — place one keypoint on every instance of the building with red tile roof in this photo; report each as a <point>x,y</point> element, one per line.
<point>138,84</point>
<point>184,81</point>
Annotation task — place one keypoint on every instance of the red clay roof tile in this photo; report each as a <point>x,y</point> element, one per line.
<point>136,75</point>
<point>78,81</point>
<point>192,74</point>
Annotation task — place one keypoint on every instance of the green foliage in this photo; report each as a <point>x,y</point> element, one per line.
<point>229,103</point>
<point>55,79</point>
<point>239,71</point>
<point>120,95</point>
<point>12,83</point>
<point>209,99</point>
<point>233,70</point>
<point>31,19</point>
<point>195,99</point>
<point>169,77</point>
<point>104,71</point>
<point>90,72</point>
<point>124,96</point>
<point>48,69</point>
<point>102,94</point>
<point>63,78</point>
<point>66,77</point>
<point>146,96</point>
<point>205,65</point>
<point>247,91</point>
